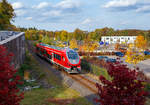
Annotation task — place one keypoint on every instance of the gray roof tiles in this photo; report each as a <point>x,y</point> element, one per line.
<point>7,34</point>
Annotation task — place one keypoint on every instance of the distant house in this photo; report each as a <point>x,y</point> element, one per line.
<point>118,39</point>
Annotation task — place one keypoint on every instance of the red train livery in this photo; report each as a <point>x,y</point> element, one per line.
<point>67,58</point>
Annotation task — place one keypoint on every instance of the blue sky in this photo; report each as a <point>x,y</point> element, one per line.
<point>84,14</point>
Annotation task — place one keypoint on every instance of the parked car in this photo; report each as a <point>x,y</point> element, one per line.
<point>111,60</point>
<point>123,50</point>
<point>147,52</point>
<point>120,54</point>
<point>76,49</point>
<point>103,57</point>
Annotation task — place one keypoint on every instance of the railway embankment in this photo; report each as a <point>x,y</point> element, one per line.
<point>63,89</point>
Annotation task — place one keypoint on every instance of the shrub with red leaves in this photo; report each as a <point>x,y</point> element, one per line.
<point>124,89</point>
<point>9,93</point>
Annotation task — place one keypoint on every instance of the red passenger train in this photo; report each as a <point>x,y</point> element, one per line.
<point>66,58</point>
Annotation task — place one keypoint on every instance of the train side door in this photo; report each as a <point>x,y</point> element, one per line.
<point>52,56</point>
<point>49,56</point>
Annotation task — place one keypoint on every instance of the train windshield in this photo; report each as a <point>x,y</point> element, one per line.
<point>72,55</point>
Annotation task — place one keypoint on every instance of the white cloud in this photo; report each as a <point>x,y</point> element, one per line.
<point>86,21</point>
<point>29,18</point>
<point>120,3</point>
<point>68,4</point>
<point>52,13</point>
<point>20,12</point>
<point>143,9</point>
<point>17,5</point>
<point>124,23</point>
<point>42,5</point>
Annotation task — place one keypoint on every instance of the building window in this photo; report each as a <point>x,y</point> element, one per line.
<point>107,38</point>
<point>128,38</point>
<point>111,39</point>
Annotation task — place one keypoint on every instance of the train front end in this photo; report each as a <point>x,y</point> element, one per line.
<point>74,61</point>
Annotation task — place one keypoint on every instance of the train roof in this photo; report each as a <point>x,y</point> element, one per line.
<point>53,47</point>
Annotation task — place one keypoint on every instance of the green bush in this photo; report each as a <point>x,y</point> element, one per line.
<point>85,66</point>
<point>147,87</point>
<point>93,69</point>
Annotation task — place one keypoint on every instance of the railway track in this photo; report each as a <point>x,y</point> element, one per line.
<point>81,79</point>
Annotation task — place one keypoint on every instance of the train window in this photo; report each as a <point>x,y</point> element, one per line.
<point>45,52</point>
<point>49,56</point>
<point>57,56</point>
<point>41,51</point>
<point>72,55</point>
<point>54,55</point>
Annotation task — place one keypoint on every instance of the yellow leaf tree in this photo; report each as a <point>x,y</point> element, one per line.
<point>140,42</point>
<point>89,45</point>
<point>64,35</point>
<point>133,55</point>
<point>73,44</point>
<point>40,37</point>
<point>93,46</point>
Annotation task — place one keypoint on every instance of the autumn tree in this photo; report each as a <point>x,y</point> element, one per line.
<point>6,15</point>
<point>93,36</point>
<point>57,35</point>
<point>98,33</point>
<point>40,36</point>
<point>9,92</point>
<point>79,34</point>
<point>64,35</point>
<point>134,52</point>
<point>46,40</point>
<point>133,56</point>
<point>89,45</point>
<point>27,35</point>
<point>140,42</point>
<point>125,88</point>
<point>73,44</point>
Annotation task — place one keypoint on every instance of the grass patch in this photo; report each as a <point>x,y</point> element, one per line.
<point>27,66</point>
<point>41,96</point>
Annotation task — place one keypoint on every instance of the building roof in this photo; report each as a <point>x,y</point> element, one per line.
<point>6,36</point>
<point>119,36</point>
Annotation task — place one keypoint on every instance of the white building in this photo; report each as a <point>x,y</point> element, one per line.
<point>118,39</point>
